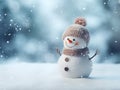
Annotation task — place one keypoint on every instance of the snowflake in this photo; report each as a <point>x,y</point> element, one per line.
<point>112,28</point>
<point>10,24</point>
<point>1,56</point>
<point>104,3</point>
<point>5,14</point>
<point>11,20</point>
<point>16,29</point>
<point>31,10</point>
<point>57,38</point>
<point>8,42</point>
<point>29,30</point>
<point>20,29</point>
<point>33,6</point>
<point>9,34</point>
<point>115,41</point>
<point>83,8</point>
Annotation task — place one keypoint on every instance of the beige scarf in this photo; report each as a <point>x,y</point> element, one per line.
<point>77,52</point>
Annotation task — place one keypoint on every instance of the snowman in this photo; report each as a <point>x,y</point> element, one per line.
<point>74,61</point>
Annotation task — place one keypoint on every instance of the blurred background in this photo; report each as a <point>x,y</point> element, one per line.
<point>30,30</point>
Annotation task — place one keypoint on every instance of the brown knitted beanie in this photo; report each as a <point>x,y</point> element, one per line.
<point>78,30</point>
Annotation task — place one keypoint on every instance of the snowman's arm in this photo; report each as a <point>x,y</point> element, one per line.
<point>94,55</point>
<point>58,51</point>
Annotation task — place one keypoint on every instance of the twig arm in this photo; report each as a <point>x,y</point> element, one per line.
<point>94,55</point>
<point>58,51</point>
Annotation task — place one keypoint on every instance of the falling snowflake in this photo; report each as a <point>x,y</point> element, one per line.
<point>20,29</point>
<point>10,24</point>
<point>83,8</point>
<point>33,6</point>
<point>1,56</point>
<point>116,41</point>
<point>9,34</point>
<point>104,3</point>
<point>16,29</point>
<point>29,30</point>
<point>5,14</point>
<point>17,26</point>
<point>11,20</point>
<point>31,10</point>
<point>57,38</point>
<point>112,28</point>
<point>0,20</point>
<point>8,42</point>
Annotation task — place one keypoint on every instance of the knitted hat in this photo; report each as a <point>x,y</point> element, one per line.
<point>78,30</point>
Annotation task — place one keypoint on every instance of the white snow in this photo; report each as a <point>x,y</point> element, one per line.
<point>28,76</point>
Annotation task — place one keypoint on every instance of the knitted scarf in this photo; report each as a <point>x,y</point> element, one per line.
<point>77,52</point>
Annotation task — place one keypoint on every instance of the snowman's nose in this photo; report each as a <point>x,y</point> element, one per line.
<point>70,41</point>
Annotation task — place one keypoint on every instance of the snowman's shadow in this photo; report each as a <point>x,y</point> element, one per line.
<point>95,78</point>
<point>84,78</point>
<point>104,78</point>
<point>92,78</point>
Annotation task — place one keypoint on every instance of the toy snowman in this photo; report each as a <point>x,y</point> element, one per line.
<point>74,62</point>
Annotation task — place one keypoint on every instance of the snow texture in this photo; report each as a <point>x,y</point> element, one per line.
<point>28,76</point>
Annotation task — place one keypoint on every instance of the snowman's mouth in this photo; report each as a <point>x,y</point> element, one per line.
<point>70,46</point>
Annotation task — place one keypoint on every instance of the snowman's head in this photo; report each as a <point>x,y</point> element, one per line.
<point>71,42</point>
<point>76,36</point>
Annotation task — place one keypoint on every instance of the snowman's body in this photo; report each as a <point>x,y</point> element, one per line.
<point>74,65</point>
<point>77,66</point>
<point>74,61</point>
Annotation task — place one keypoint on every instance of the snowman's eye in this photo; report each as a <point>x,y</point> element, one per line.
<point>73,39</point>
<point>67,38</point>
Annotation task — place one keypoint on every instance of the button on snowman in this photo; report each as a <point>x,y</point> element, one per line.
<point>74,61</point>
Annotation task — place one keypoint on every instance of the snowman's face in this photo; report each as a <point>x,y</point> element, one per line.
<point>71,42</point>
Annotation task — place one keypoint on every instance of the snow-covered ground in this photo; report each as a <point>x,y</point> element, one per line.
<point>34,76</point>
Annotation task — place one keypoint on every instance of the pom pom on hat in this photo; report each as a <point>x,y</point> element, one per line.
<point>80,21</point>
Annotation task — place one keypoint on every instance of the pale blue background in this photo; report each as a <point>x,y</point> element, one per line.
<point>30,30</point>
